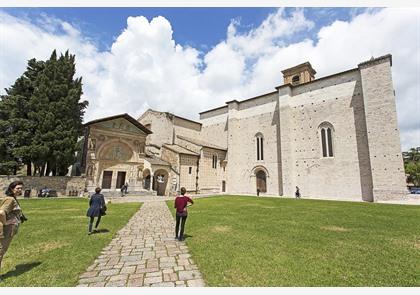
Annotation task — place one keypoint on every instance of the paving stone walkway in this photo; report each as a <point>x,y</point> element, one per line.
<point>144,253</point>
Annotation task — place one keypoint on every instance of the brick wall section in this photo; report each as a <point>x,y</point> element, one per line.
<point>386,162</point>
<point>62,184</point>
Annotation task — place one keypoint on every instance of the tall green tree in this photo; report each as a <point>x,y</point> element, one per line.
<point>16,129</point>
<point>412,165</point>
<point>46,115</point>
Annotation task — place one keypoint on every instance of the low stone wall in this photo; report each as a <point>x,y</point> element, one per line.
<point>64,185</point>
<point>390,195</point>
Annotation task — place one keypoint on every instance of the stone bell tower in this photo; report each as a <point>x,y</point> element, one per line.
<point>299,74</point>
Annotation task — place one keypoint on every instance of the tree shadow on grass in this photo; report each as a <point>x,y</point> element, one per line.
<point>20,269</point>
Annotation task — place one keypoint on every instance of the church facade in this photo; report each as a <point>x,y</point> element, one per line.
<point>334,137</point>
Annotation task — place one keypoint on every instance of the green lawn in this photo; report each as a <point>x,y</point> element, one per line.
<point>250,241</point>
<point>52,248</point>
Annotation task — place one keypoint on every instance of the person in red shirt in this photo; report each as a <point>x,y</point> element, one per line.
<point>181,203</point>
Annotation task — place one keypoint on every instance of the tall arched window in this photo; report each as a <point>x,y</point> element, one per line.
<point>260,146</point>
<point>327,132</point>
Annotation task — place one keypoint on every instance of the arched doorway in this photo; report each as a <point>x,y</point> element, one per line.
<point>160,180</point>
<point>261,181</point>
<point>146,179</point>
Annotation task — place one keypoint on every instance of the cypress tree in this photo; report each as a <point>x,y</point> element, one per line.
<point>45,115</point>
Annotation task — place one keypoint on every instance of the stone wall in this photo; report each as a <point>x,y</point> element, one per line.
<point>359,104</point>
<point>331,101</point>
<point>388,176</point>
<point>64,185</point>
<point>210,179</point>
<point>188,145</point>
<point>215,127</point>
<point>246,120</point>
<point>187,179</point>
<point>160,125</point>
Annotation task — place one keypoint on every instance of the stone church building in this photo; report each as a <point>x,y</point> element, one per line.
<point>334,137</point>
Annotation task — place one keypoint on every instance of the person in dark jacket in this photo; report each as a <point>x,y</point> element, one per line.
<point>297,193</point>
<point>97,208</point>
<point>181,203</point>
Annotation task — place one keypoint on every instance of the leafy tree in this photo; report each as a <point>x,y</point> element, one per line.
<point>412,165</point>
<point>8,165</point>
<point>45,115</point>
<point>15,126</point>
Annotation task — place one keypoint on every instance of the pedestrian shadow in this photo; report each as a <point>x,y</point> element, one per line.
<point>187,236</point>
<point>20,269</point>
<point>100,231</point>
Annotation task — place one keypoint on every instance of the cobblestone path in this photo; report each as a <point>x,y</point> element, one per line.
<point>144,253</point>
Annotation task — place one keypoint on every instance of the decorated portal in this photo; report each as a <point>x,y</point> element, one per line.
<point>114,153</point>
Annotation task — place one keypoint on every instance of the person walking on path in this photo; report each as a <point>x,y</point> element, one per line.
<point>297,193</point>
<point>181,203</point>
<point>124,189</point>
<point>10,216</point>
<point>97,209</point>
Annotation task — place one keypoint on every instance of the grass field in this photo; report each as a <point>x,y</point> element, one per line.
<point>52,248</point>
<point>250,241</point>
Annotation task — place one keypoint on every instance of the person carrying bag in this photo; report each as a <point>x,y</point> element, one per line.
<point>11,216</point>
<point>97,209</point>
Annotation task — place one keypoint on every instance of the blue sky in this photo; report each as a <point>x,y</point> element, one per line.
<point>202,28</point>
<point>189,60</point>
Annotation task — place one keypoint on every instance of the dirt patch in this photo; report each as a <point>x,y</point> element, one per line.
<point>335,228</point>
<point>221,229</point>
<point>45,247</point>
<point>406,243</point>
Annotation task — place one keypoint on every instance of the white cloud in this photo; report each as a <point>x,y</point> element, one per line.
<point>145,67</point>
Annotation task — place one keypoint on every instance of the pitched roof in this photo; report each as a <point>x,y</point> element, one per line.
<point>169,115</point>
<point>156,161</point>
<point>124,116</point>
<point>179,149</point>
<point>201,143</point>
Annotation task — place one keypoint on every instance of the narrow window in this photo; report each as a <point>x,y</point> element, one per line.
<point>260,147</point>
<point>214,164</point>
<point>189,170</point>
<point>327,140</point>
<point>324,144</point>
